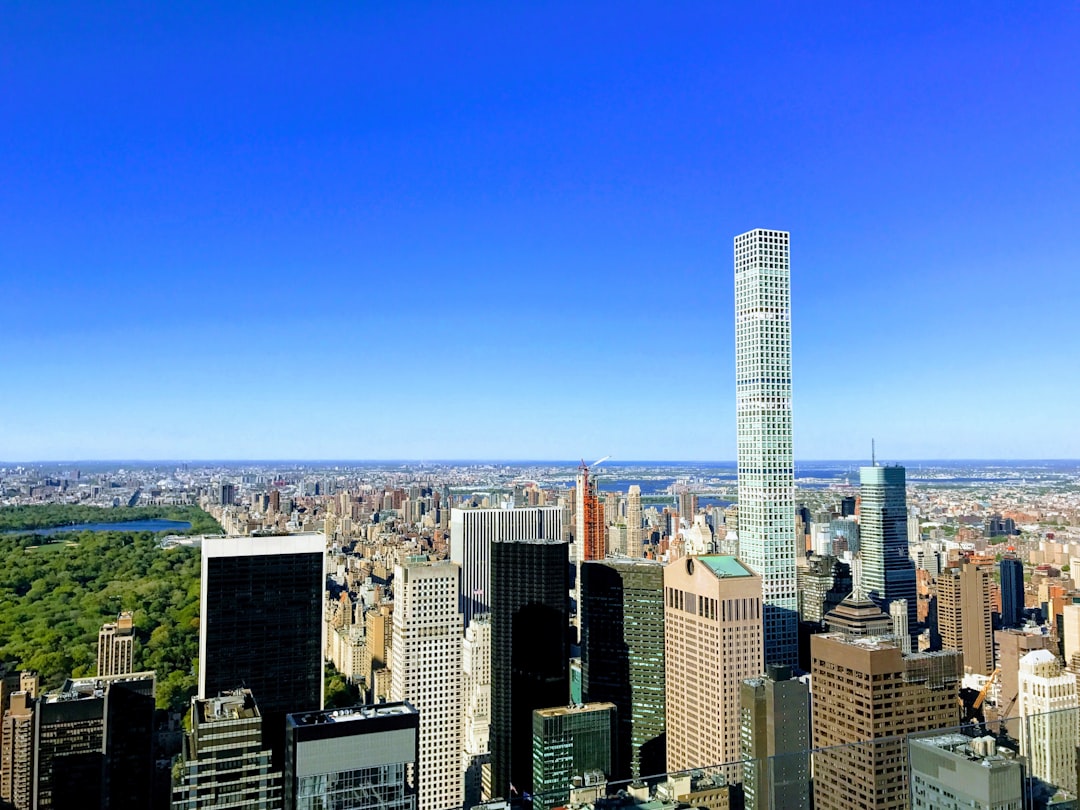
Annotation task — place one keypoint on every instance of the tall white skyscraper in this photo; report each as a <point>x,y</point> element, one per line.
<point>763,414</point>
<point>472,531</point>
<point>426,671</point>
<point>476,669</point>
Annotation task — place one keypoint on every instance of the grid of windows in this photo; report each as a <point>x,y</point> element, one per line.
<point>763,414</point>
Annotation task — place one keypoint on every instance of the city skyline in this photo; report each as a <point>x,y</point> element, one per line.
<point>224,233</point>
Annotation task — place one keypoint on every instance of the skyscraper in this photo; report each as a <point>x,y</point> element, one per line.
<point>713,642</point>
<point>476,708</point>
<point>964,615</point>
<point>472,531</point>
<point>569,742</point>
<point>363,758</point>
<point>224,756</point>
<point>622,656</point>
<point>262,624</point>
<point>1048,707</point>
<point>763,415</point>
<point>529,651</point>
<point>116,647</point>
<point>589,539</point>
<point>425,670</point>
<point>635,532</point>
<point>1012,591</point>
<point>888,571</point>
<point>774,720</point>
<point>866,690</point>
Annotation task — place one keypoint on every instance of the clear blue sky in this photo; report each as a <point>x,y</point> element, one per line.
<point>477,230</point>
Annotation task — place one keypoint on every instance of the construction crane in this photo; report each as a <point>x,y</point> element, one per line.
<point>977,705</point>
<point>972,706</point>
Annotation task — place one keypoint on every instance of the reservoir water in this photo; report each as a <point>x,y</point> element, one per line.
<point>152,525</point>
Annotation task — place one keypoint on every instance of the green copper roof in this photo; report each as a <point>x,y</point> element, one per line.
<point>724,566</point>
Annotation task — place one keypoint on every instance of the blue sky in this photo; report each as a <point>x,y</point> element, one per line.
<point>493,230</point>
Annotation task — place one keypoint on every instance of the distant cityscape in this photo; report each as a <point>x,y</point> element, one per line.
<point>756,635</point>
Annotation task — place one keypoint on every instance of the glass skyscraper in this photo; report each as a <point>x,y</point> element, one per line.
<point>888,572</point>
<point>763,414</point>
<point>1012,592</point>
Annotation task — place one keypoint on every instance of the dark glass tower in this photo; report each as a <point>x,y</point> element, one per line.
<point>1012,592</point>
<point>622,657</point>
<point>888,572</point>
<point>262,624</point>
<point>530,654</point>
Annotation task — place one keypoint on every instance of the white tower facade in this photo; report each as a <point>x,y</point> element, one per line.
<point>426,671</point>
<point>763,416</point>
<point>1048,708</point>
<point>476,670</point>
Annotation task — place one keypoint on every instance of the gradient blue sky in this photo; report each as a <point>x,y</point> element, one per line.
<point>504,230</point>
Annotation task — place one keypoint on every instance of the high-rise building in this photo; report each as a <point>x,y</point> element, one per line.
<point>867,691</point>
<point>964,615</point>
<point>94,743</point>
<point>1012,645</point>
<point>476,688</point>
<point>774,721</point>
<point>17,753</point>
<point>588,519</point>
<point>529,651</point>
<point>426,672</point>
<point>1048,711</point>
<point>362,758</point>
<point>1070,636</point>
<point>635,521</point>
<point>622,657</point>
<point>1012,591</point>
<point>224,756</point>
<point>116,644</point>
<point>713,642</point>
<point>823,583</point>
<point>953,771</point>
<point>570,742</point>
<point>262,624</point>
<point>763,415</point>
<point>888,571</point>
<point>472,531</point>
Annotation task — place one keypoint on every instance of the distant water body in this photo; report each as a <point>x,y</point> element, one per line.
<point>153,525</point>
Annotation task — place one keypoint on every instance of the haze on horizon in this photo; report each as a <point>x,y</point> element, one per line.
<point>478,232</point>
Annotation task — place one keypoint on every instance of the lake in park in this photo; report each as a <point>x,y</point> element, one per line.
<point>153,525</point>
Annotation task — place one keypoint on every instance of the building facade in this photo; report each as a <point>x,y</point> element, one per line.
<point>116,646</point>
<point>362,758</point>
<point>622,657</point>
<point>763,415</point>
<point>1012,591</point>
<point>224,762</point>
<point>888,572</point>
<point>472,531</point>
<point>1049,719</point>
<point>774,738</point>
<point>713,640</point>
<point>476,700</point>
<point>530,651</point>
<point>570,742</point>
<point>956,772</point>
<point>868,695</point>
<point>964,614</point>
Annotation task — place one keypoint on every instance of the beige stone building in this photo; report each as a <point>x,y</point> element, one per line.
<point>713,642</point>
<point>964,615</point>
<point>116,647</point>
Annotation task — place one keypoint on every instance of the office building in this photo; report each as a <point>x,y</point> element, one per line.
<point>622,657</point>
<point>964,615</point>
<point>955,772</point>
<point>224,763</point>
<point>888,572</point>
<point>763,414</point>
<point>1070,635</point>
<point>262,624</point>
<point>570,743</point>
<point>529,651</point>
<point>1012,645</point>
<point>589,523</point>
<point>635,523</point>
<point>426,672</point>
<point>774,729</point>
<point>361,758</point>
<point>476,700</point>
<point>867,691</point>
<point>17,752</point>
<point>713,642</point>
<point>472,531</point>
<point>116,645</point>
<point>1048,712</point>
<point>858,617</point>
<point>823,583</point>
<point>94,743</point>
<point>1012,591</point>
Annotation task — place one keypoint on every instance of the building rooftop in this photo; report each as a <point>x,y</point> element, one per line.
<point>725,566</point>
<point>352,713</point>
<point>577,708</point>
